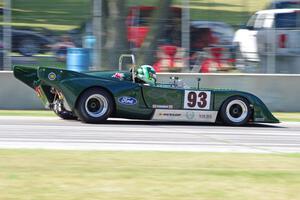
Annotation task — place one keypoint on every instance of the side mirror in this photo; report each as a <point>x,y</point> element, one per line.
<point>244,26</point>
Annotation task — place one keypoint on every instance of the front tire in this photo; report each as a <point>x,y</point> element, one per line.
<point>236,111</point>
<point>94,106</point>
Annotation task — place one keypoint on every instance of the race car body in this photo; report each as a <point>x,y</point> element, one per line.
<point>95,96</point>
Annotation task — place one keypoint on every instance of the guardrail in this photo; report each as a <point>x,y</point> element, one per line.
<point>281,93</point>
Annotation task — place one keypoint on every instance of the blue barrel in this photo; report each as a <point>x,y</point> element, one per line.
<point>78,59</point>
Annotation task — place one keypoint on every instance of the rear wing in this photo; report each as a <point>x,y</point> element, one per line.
<point>32,76</point>
<point>28,75</point>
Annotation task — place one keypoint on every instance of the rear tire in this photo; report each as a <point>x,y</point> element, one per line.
<point>236,111</point>
<point>94,106</point>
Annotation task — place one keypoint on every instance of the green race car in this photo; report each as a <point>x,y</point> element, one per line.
<point>95,96</point>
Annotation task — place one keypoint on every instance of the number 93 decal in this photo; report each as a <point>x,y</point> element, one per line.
<point>197,100</point>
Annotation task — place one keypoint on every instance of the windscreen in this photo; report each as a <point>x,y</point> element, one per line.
<point>287,4</point>
<point>288,20</point>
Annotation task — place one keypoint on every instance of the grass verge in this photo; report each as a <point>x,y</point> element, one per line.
<point>50,175</point>
<point>288,117</point>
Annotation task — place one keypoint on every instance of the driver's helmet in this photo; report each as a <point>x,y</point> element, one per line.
<point>147,74</point>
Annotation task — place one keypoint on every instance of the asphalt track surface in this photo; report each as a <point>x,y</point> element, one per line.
<point>134,135</point>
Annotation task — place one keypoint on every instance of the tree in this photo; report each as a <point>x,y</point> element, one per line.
<point>112,33</point>
<point>114,40</point>
<point>146,54</point>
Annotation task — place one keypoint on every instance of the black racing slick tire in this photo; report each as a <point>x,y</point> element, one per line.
<point>236,111</point>
<point>94,106</point>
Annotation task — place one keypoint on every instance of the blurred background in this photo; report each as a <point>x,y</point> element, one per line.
<point>235,36</point>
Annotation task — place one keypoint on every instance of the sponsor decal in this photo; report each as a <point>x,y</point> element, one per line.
<point>119,76</point>
<point>260,119</point>
<point>205,116</point>
<point>129,101</point>
<point>51,76</point>
<point>163,106</point>
<point>190,115</point>
<point>185,115</point>
<point>170,114</point>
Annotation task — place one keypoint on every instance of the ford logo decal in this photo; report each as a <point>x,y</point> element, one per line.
<point>127,101</point>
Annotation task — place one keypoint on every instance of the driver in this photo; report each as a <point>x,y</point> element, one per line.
<point>146,74</point>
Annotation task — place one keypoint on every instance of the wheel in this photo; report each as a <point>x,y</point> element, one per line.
<point>59,109</point>
<point>94,106</point>
<point>28,47</point>
<point>235,111</point>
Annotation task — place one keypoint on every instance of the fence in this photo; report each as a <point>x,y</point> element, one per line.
<point>41,34</point>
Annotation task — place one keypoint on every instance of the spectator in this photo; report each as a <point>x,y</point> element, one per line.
<point>60,48</point>
<point>201,39</point>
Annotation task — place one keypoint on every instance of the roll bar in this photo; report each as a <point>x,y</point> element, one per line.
<point>133,63</point>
